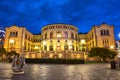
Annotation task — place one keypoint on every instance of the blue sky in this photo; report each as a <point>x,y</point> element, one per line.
<point>34,14</point>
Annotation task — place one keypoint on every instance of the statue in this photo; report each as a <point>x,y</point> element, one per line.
<point>18,64</point>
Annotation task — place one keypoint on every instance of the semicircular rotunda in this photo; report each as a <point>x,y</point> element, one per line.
<point>59,38</point>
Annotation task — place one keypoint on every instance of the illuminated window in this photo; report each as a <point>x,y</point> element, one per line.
<point>72,35</point>
<point>66,47</point>
<point>14,34</point>
<point>59,34</point>
<point>76,36</point>
<point>45,35</point>
<point>105,42</point>
<point>51,47</point>
<point>51,34</point>
<point>66,35</point>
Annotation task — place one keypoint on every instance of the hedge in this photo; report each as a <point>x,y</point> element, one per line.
<point>55,61</point>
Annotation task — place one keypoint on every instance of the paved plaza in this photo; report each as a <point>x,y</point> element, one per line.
<point>61,72</point>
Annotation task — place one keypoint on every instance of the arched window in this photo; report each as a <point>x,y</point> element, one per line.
<point>72,48</point>
<point>66,34</point>
<point>59,34</point>
<point>65,47</point>
<point>76,36</point>
<point>51,47</point>
<point>45,35</point>
<point>72,35</point>
<point>16,33</point>
<point>51,34</point>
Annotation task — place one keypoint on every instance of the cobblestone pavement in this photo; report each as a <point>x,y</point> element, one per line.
<point>61,72</point>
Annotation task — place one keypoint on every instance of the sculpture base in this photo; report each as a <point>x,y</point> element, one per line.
<point>18,72</point>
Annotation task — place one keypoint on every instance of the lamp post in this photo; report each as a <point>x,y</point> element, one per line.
<point>82,42</point>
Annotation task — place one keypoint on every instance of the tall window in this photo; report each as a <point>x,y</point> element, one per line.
<point>45,35</point>
<point>104,32</point>
<point>25,46</point>
<point>51,47</point>
<point>105,42</point>
<point>51,34</point>
<point>16,33</point>
<point>66,34</point>
<point>76,36</point>
<point>72,47</point>
<point>72,35</point>
<point>12,44</point>
<point>66,47</point>
<point>25,36</point>
<point>107,32</point>
<point>11,33</point>
<point>59,34</point>
<point>101,32</point>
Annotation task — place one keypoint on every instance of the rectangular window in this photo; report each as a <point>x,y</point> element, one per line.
<point>51,48</point>
<point>107,32</point>
<point>105,42</point>
<point>16,34</point>
<point>101,32</point>
<point>104,32</point>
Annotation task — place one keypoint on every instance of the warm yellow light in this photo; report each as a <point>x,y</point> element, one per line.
<point>69,43</point>
<point>118,55</point>
<point>58,34</point>
<point>51,55</point>
<point>44,42</point>
<point>82,41</point>
<point>60,55</point>
<point>58,44</point>
<point>11,41</point>
<point>36,47</point>
<point>70,47</point>
<point>111,47</point>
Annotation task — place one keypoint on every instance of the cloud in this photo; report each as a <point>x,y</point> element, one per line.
<point>34,14</point>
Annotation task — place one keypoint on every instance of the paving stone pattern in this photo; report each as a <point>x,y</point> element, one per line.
<point>61,72</point>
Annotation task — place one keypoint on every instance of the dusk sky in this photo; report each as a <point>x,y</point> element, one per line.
<point>34,14</point>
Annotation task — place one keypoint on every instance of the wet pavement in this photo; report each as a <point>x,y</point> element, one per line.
<point>61,72</point>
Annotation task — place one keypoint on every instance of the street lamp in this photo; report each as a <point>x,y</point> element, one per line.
<point>82,42</point>
<point>119,35</point>
<point>11,41</point>
<point>111,47</point>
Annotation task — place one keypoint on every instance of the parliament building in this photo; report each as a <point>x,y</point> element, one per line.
<point>58,41</point>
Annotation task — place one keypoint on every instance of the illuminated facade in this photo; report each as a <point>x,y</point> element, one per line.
<point>58,41</point>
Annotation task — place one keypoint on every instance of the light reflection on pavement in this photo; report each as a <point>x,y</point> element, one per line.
<point>61,72</point>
